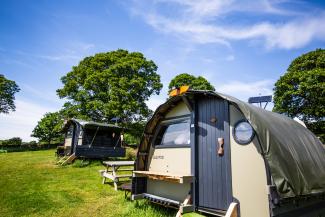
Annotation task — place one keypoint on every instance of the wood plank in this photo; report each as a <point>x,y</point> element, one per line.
<point>108,175</point>
<point>70,159</point>
<point>118,163</point>
<point>118,170</point>
<point>110,171</point>
<point>123,176</point>
<point>177,178</point>
<point>162,174</point>
<point>62,159</point>
<point>185,203</point>
<point>232,210</point>
<point>112,177</point>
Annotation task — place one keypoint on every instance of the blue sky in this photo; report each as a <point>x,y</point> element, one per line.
<point>241,47</point>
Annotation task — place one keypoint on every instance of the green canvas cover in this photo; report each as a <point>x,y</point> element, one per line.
<point>295,156</point>
<point>92,124</point>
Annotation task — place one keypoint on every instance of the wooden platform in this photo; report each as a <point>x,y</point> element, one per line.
<point>176,178</point>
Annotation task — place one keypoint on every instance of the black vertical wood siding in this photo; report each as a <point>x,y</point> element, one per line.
<point>214,172</point>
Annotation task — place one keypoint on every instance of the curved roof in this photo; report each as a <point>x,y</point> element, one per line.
<point>294,155</point>
<point>92,124</point>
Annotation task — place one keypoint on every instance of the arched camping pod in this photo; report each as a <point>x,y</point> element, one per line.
<point>218,151</point>
<point>90,139</point>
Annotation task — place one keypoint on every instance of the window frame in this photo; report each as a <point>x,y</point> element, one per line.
<point>235,136</point>
<point>72,128</point>
<point>167,122</point>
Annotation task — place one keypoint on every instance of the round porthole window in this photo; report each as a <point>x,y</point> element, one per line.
<point>243,132</point>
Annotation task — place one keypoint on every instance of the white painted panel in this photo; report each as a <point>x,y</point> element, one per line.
<point>248,174</point>
<point>67,142</point>
<point>174,161</point>
<point>171,160</point>
<point>168,190</point>
<point>179,110</point>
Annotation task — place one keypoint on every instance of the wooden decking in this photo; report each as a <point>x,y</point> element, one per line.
<point>176,178</point>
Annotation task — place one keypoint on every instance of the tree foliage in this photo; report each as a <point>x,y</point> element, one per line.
<point>108,85</point>
<point>8,88</point>
<point>14,141</point>
<point>49,128</point>
<point>195,83</point>
<point>300,92</point>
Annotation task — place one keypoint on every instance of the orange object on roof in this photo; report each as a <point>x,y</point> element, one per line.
<point>179,91</point>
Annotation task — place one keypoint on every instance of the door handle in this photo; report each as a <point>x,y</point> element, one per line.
<point>221,148</point>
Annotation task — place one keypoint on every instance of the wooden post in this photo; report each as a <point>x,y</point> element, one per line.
<point>114,170</point>
<point>186,201</point>
<point>104,178</point>
<point>232,210</point>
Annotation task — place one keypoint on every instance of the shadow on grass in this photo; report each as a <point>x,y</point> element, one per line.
<point>150,209</point>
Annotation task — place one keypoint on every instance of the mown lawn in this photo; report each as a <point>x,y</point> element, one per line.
<point>31,184</point>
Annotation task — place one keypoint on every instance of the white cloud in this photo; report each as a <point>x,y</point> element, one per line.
<point>58,57</point>
<point>21,122</point>
<point>49,96</point>
<point>75,50</point>
<point>244,90</point>
<point>204,7</point>
<point>230,57</point>
<point>202,21</point>
<point>156,101</point>
<point>84,46</point>
<point>240,90</point>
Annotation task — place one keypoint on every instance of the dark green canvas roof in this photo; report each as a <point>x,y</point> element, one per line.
<point>92,124</point>
<point>294,155</point>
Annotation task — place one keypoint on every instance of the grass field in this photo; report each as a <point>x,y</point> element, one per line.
<point>32,185</point>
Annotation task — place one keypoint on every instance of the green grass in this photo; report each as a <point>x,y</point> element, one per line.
<point>31,184</point>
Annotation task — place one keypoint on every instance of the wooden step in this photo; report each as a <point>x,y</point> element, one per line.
<point>62,159</point>
<point>69,160</point>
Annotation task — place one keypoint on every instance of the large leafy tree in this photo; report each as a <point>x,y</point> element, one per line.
<point>195,83</point>
<point>49,128</point>
<point>8,88</point>
<point>300,92</point>
<point>108,85</point>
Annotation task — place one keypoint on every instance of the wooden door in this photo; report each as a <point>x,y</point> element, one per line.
<point>214,189</point>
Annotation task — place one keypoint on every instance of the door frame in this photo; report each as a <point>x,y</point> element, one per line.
<point>194,150</point>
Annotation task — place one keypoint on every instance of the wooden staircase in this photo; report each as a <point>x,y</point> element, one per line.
<point>67,159</point>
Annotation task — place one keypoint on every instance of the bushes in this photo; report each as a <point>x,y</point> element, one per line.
<point>16,144</point>
<point>15,141</point>
<point>131,153</point>
<point>131,139</point>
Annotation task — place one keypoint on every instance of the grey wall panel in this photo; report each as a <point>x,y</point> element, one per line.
<point>214,181</point>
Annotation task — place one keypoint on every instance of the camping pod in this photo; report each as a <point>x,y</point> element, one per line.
<point>90,139</point>
<point>208,152</point>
